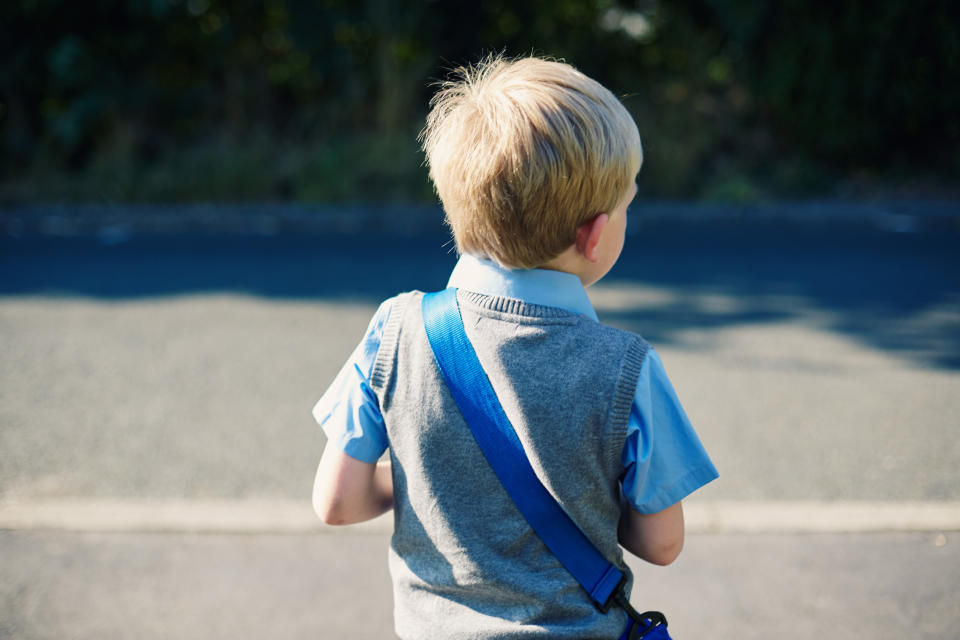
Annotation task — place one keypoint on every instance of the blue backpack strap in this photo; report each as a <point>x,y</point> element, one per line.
<point>481,409</point>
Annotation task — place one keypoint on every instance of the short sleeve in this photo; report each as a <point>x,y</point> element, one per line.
<point>663,459</point>
<point>349,412</point>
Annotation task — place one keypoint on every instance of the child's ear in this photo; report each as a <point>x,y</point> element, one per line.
<point>588,237</point>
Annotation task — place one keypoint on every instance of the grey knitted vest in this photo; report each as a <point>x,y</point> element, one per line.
<point>465,563</point>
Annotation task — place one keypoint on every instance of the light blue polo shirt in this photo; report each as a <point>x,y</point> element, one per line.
<point>663,459</point>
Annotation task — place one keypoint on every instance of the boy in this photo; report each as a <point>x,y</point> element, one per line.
<point>535,166</point>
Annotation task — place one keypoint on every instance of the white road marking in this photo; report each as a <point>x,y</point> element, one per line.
<point>286,516</point>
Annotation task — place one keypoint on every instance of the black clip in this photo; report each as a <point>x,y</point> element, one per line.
<point>615,598</point>
<point>649,620</point>
<point>642,622</point>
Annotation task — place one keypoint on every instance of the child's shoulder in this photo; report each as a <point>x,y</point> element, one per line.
<point>623,335</point>
<point>631,347</point>
<point>395,305</point>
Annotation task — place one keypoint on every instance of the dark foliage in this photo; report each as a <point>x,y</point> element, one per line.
<point>304,99</point>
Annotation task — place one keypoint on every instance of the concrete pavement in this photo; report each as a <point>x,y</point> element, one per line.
<point>159,586</point>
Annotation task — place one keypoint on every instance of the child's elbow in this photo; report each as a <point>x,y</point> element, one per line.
<point>330,517</point>
<point>329,511</point>
<point>335,520</point>
<point>664,554</point>
<point>329,502</point>
<point>661,553</point>
<point>656,538</point>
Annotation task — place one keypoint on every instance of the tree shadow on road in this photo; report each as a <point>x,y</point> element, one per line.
<point>898,292</point>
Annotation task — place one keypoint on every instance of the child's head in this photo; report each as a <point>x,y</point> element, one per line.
<point>523,152</point>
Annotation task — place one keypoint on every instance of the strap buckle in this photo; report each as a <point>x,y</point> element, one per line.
<point>616,597</point>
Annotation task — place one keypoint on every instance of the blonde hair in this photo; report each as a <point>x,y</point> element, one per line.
<point>522,152</point>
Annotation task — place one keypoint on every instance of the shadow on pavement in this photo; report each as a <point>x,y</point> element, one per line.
<point>895,291</point>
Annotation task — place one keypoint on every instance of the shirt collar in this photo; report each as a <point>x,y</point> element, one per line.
<point>535,286</point>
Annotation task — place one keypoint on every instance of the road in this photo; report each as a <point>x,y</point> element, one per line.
<point>817,363</point>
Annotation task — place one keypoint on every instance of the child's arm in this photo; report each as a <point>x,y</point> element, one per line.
<point>347,491</point>
<point>655,537</point>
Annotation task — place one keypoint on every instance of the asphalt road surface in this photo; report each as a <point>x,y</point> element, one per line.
<point>817,364</point>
